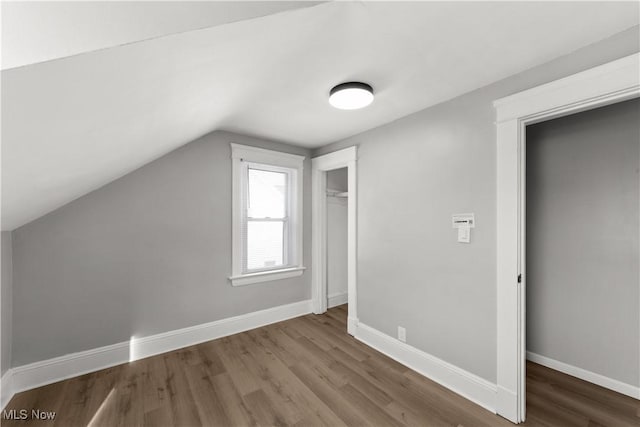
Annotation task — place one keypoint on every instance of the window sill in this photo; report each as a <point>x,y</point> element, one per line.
<point>266,276</point>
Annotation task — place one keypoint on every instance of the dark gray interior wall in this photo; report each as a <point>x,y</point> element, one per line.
<point>583,225</point>
<point>7,306</point>
<point>148,253</point>
<point>412,175</point>
<point>337,179</point>
<point>337,231</point>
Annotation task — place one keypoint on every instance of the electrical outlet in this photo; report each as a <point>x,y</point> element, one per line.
<point>402,334</point>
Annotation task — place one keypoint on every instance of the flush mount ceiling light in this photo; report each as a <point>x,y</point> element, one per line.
<point>351,96</point>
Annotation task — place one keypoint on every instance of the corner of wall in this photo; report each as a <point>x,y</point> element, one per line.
<point>6,296</point>
<point>6,324</point>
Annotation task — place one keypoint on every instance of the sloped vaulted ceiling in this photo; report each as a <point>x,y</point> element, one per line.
<point>79,115</point>
<point>35,32</point>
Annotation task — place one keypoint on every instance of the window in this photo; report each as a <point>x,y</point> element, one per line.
<point>267,215</point>
<point>266,218</point>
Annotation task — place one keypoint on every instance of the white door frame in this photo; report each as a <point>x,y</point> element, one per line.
<point>613,82</point>
<point>320,166</point>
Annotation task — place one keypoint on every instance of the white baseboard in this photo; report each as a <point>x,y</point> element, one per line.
<point>466,384</point>
<point>168,341</point>
<point>352,325</point>
<point>49,371</point>
<point>6,388</point>
<point>507,405</point>
<point>583,374</point>
<point>337,299</point>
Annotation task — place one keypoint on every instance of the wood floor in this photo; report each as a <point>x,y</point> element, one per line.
<point>302,372</point>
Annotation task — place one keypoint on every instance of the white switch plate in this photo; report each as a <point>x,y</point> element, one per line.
<point>402,334</point>
<point>463,220</point>
<point>464,234</point>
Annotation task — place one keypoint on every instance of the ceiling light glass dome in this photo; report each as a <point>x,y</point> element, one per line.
<point>351,96</point>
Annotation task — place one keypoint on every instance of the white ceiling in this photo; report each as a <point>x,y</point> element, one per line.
<point>41,31</point>
<point>76,123</point>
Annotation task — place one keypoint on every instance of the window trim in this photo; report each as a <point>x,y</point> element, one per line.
<point>244,156</point>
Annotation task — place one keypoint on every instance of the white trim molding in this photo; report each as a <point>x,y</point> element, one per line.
<point>337,299</point>
<point>60,368</point>
<point>458,380</point>
<point>583,374</point>
<point>606,84</point>
<point>262,155</point>
<point>263,276</point>
<point>6,388</point>
<point>243,157</point>
<point>320,166</point>
<point>599,86</point>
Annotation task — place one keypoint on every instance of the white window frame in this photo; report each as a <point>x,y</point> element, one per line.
<point>244,157</point>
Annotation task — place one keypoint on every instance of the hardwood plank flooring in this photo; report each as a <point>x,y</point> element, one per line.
<point>302,372</point>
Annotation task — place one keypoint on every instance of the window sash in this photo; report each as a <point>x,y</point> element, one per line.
<point>288,244</point>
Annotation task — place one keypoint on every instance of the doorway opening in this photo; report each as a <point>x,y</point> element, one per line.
<point>337,219</point>
<point>607,84</point>
<point>582,232</point>
<point>331,174</point>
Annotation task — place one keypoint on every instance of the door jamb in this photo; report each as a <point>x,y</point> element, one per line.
<point>606,84</point>
<point>320,166</point>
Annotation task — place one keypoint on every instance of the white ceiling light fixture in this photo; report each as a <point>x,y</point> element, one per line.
<point>351,96</point>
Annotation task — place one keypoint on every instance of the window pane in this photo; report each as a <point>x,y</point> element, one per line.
<point>265,244</point>
<point>267,194</point>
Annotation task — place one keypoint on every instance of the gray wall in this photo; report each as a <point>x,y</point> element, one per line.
<point>148,253</point>
<point>336,246</point>
<point>583,292</point>
<point>412,175</point>
<point>338,179</point>
<point>6,309</point>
